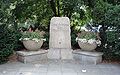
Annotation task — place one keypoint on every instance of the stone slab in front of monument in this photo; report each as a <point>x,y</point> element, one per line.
<point>31,56</point>
<point>54,54</point>
<point>60,54</point>
<point>60,38</point>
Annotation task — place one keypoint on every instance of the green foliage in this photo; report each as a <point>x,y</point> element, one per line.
<point>9,35</point>
<point>112,36</point>
<point>112,48</point>
<point>81,18</point>
<point>73,40</point>
<point>108,15</point>
<point>8,42</point>
<point>87,35</point>
<point>5,11</point>
<point>31,35</point>
<point>38,11</point>
<point>112,15</point>
<point>99,12</point>
<point>64,7</point>
<point>112,20</point>
<point>114,2</point>
<point>78,19</point>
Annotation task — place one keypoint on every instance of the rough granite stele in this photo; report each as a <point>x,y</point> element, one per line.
<point>60,38</point>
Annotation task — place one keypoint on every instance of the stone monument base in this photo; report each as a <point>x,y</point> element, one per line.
<point>31,56</point>
<point>86,57</point>
<point>60,54</point>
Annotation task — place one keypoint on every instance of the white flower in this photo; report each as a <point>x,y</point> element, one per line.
<point>26,38</point>
<point>20,39</point>
<point>105,45</point>
<point>83,40</point>
<point>98,42</point>
<point>43,39</point>
<point>76,39</point>
<point>91,41</point>
<point>119,38</point>
<point>12,6</point>
<point>36,39</point>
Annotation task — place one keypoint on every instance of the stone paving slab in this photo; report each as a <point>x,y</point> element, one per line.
<point>57,67</point>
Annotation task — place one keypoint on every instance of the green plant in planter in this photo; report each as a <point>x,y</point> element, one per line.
<point>87,35</point>
<point>36,36</point>
<point>87,41</point>
<point>32,40</point>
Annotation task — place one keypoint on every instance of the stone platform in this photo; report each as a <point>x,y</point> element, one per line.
<point>31,56</point>
<point>86,57</point>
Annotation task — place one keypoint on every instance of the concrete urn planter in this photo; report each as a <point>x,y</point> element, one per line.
<point>87,46</point>
<point>32,45</point>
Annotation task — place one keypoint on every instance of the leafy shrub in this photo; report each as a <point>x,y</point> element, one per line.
<point>112,47</point>
<point>108,16</point>
<point>8,42</point>
<point>112,21</point>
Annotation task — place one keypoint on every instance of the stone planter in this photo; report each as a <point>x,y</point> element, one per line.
<point>87,46</point>
<point>32,45</point>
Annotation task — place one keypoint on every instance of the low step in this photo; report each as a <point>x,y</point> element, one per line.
<point>87,57</point>
<point>31,56</point>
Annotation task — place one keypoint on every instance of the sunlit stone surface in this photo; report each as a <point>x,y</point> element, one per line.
<point>60,38</point>
<point>60,33</point>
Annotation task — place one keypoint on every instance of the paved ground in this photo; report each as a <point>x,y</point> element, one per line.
<point>58,68</point>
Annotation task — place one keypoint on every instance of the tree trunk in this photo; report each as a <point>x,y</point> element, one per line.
<point>53,6</point>
<point>58,7</point>
<point>103,35</point>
